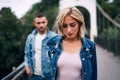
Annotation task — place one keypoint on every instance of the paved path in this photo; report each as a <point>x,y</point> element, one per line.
<point>108,65</point>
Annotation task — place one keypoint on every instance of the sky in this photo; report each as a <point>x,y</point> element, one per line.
<point>19,7</point>
<point>110,1</point>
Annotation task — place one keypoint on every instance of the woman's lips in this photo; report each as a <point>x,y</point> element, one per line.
<point>70,34</point>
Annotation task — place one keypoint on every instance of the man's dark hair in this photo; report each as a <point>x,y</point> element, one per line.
<point>40,15</point>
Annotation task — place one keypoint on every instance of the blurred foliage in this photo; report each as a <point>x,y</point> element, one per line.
<point>108,34</point>
<point>110,40</point>
<point>117,18</point>
<point>10,41</point>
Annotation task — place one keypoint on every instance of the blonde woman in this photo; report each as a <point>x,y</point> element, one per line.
<point>73,57</point>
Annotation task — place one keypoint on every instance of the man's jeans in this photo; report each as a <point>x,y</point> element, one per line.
<point>38,77</point>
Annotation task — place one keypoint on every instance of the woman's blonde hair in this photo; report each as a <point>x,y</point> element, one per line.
<point>75,14</point>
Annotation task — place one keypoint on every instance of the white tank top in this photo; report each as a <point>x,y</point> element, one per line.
<point>69,66</point>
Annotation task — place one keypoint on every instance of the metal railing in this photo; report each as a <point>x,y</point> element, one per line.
<point>107,16</point>
<point>15,74</point>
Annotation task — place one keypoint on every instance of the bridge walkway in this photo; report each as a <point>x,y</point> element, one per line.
<point>108,65</point>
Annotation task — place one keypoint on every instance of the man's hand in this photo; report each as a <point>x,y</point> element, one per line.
<point>28,72</point>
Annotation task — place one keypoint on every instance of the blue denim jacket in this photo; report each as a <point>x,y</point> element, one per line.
<point>29,53</point>
<point>87,55</point>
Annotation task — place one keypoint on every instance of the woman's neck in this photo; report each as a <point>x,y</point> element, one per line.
<point>71,40</point>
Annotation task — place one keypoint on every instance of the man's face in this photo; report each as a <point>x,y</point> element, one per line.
<point>40,24</point>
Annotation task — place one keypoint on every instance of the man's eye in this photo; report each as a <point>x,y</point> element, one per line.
<point>72,24</point>
<point>38,22</point>
<point>64,26</point>
<point>43,22</point>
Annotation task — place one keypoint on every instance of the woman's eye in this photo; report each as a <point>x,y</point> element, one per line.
<point>64,26</point>
<point>72,24</point>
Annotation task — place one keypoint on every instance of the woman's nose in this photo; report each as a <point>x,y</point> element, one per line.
<point>69,29</point>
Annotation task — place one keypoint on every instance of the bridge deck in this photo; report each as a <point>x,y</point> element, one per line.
<point>108,65</point>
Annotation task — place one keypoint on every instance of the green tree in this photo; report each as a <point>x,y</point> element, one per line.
<point>10,41</point>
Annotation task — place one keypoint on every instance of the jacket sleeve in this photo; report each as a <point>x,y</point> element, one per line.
<point>26,52</point>
<point>94,63</point>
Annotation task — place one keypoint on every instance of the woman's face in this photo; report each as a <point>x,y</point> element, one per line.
<point>70,28</point>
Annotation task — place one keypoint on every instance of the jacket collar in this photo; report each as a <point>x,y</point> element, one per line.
<point>35,31</point>
<point>85,43</point>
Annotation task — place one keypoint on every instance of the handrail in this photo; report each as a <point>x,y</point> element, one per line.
<point>14,72</point>
<point>107,16</point>
<point>18,74</point>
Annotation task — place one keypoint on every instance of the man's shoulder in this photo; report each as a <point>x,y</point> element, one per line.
<point>33,33</point>
<point>51,34</point>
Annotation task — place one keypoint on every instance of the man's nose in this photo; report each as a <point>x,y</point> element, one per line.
<point>41,24</point>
